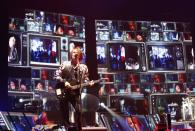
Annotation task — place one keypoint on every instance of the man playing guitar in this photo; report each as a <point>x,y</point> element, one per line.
<point>70,74</point>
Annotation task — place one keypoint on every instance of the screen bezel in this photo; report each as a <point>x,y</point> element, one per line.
<point>164,44</point>
<point>33,63</point>
<point>126,44</point>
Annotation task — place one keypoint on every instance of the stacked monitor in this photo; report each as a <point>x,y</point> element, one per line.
<point>144,45</point>
<point>38,44</point>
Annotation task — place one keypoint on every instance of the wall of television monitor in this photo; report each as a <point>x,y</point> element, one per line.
<point>150,58</point>
<point>144,45</point>
<point>145,56</point>
<point>40,39</point>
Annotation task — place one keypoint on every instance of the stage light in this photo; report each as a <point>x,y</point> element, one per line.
<point>102,105</point>
<point>20,100</point>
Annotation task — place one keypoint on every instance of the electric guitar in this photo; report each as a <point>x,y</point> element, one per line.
<point>61,89</point>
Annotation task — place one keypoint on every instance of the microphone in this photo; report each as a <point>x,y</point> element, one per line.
<point>76,55</point>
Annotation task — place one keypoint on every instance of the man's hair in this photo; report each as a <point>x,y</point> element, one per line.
<point>80,53</point>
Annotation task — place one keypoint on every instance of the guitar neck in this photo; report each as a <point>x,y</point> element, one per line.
<point>84,84</point>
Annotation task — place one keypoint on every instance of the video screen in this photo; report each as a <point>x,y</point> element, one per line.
<point>128,104</point>
<point>51,18</point>
<point>117,35</point>
<point>143,25</point>
<point>169,104</point>
<point>25,85</point>
<point>190,88</point>
<point>146,88</point>
<point>132,78</point>
<point>182,78</point>
<point>128,25</point>
<point>158,78</point>
<point>19,84</point>
<point>29,15</point>
<point>39,85</point>
<point>13,84</point>
<point>51,86</point>
<point>64,19</point>
<point>47,74</point>
<point>158,88</point>
<point>155,36</point>
<point>140,36</point>
<point>108,77</point>
<point>146,78</point>
<point>14,48</point>
<point>130,36</point>
<point>155,26</point>
<point>116,56</point>
<point>165,57</point>
<point>103,25</point>
<point>35,73</point>
<point>59,29</point>
<point>172,77</point>
<point>124,56</point>
<point>175,88</point>
<point>64,56</point>
<point>71,31</point>
<point>102,35</point>
<point>187,36</point>
<point>34,26</point>
<point>44,50</point>
<point>168,26</point>
<point>16,24</point>
<point>39,16</point>
<point>48,28</point>
<point>171,36</point>
<point>132,57</point>
<point>101,54</point>
<point>78,43</point>
<point>121,123</point>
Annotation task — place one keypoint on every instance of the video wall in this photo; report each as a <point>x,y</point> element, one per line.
<point>147,63</point>
<point>38,44</point>
<point>144,45</point>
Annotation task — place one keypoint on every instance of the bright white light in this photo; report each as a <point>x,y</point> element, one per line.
<point>83,95</point>
<point>102,104</point>
<point>20,100</point>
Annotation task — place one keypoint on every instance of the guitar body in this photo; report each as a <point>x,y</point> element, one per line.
<point>61,90</point>
<point>74,89</point>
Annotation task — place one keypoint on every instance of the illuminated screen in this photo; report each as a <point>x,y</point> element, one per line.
<point>189,56</point>
<point>14,48</point>
<point>44,50</point>
<point>101,54</point>
<point>81,44</point>
<point>165,57</point>
<point>124,56</point>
